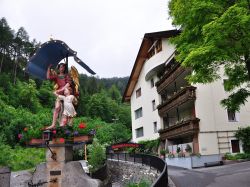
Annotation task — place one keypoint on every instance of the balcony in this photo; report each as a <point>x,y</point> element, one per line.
<point>170,77</point>
<point>183,128</point>
<point>182,96</point>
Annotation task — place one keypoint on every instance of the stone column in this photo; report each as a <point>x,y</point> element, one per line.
<point>55,165</point>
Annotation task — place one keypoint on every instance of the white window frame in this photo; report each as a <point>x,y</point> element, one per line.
<point>155,127</point>
<point>152,82</point>
<point>138,93</point>
<point>236,116</point>
<point>137,112</point>
<point>154,105</point>
<point>240,144</point>
<point>136,132</point>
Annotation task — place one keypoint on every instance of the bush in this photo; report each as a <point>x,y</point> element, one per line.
<point>237,156</point>
<point>20,158</point>
<point>148,147</point>
<point>96,154</point>
<point>142,183</point>
<point>243,134</point>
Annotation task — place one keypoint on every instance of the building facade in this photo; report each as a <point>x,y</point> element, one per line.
<point>164,105</point>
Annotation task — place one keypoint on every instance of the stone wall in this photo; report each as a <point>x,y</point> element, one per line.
<point>123,172</point>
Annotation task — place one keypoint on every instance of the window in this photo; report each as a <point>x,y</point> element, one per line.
<point>138,92</point>
<point>155,48</point>
<point>155,127</point>
<point>138,113</point>
<point>151,52</point>
<point>153,105</point>
<point>139,132</point>
<point>231,115</point>
<point>158,46</point>
<point>152,83</point>
<point>235,146</point>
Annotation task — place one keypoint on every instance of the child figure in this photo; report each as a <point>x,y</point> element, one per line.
<point>68,107</point>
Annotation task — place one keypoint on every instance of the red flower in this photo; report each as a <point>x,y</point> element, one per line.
<point>61,140</point>
<point>54,131</point>
<point>25,129</point>
<point>82,126</point>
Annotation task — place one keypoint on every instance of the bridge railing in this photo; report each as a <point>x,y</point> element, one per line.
<point>152,161</point>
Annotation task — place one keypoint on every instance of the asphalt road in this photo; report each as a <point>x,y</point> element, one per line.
<point>232,175</point>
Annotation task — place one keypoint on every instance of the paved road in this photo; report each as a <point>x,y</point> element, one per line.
<point>233,175</point>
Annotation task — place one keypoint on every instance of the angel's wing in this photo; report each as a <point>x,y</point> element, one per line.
<point>75,77</point>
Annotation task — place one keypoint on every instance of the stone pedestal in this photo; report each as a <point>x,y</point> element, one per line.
<point>55,164</point>
<point>60,171</point>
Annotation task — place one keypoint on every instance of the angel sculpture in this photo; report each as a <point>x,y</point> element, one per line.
<point>66,84</point>
<point>66,90</point>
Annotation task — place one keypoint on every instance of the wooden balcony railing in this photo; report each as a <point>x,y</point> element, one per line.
<point>183,128</point>
<point>182,96</point>
<point>169,77</point>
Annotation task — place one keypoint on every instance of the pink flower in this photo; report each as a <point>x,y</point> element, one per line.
<point>20,136</point>
<point>54,131</point>
<point>61,140</point>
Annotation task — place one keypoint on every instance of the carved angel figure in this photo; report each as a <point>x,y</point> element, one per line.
<point>66,84</point>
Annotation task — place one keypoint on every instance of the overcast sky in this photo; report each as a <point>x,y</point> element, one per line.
<point>105,33</point>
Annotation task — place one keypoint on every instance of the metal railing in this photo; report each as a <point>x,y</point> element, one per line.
<point>152,161</point>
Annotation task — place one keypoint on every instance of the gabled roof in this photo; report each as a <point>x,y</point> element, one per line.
<point>147,42</point>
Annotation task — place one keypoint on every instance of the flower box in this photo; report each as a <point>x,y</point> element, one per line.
<point>61,141</point>
<point>83,138</point>
<point>36,141</point>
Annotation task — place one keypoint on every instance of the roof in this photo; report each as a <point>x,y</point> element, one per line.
<point>147,42</point>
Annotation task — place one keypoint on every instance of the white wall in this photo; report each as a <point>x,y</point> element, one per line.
<point>213,117</point>
<point>148,94</point>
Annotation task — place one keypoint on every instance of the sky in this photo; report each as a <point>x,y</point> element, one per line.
<point>106,34</point>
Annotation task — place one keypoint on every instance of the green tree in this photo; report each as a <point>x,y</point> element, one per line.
<point>113,133</point>
<point>114,93</point>
<point>26,96</point>
<point>100,105</point>
<point>214,34</point>
<point>45,94</point>
<point>6,37</point>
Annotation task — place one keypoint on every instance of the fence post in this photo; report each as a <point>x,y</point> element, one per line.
<point>125,156</point>
<point>118,156</point>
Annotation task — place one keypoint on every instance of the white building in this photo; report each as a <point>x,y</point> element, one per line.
<point>164,105</point>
